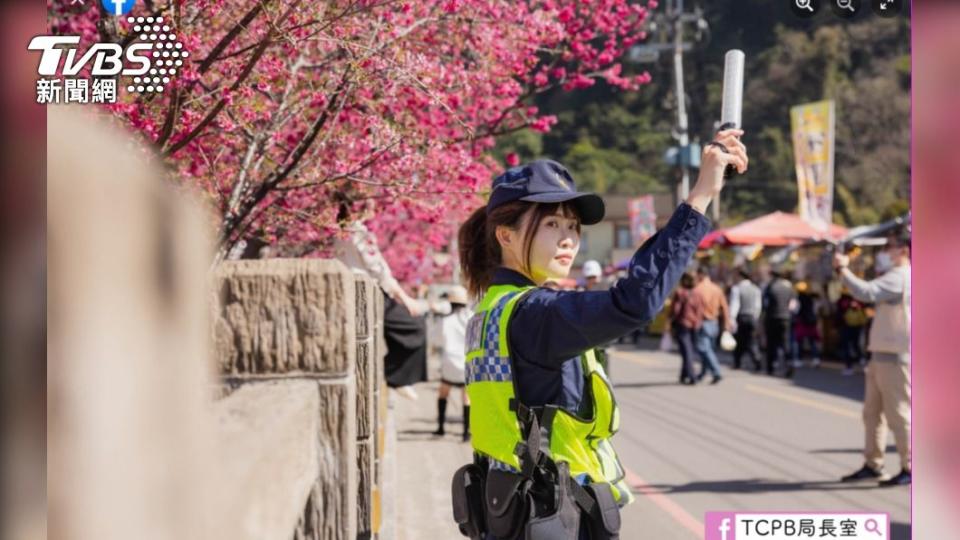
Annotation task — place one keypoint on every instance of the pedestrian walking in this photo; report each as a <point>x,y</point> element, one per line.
<point>887,395</point>
<point>686,317</point>
<point>806,330</point>
<point>746,304</point>
<point>716,316</point>
<point>779,299</point>
<point>542,409</point>
<point>453,331</point>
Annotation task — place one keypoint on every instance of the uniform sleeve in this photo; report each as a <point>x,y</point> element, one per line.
<point>548,327</point>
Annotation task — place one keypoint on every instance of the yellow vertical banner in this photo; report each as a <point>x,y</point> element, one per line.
<point>813,148</point>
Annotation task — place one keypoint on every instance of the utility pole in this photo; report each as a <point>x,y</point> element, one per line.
<point>669,26</point>
<point>682,135</point>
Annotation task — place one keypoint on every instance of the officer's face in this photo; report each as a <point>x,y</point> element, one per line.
<point>555,245</point>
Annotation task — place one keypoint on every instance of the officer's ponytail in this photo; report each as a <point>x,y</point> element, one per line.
<point>480,254</point>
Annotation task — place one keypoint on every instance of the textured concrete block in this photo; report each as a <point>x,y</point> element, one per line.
<point>366,324</point>
<point>285,316</point>
<point>270,457</point>
<point>337,479</point>
<point>379,381</point>
<point>365,488</point>
<point>378,335</point>
<point>309,528</point>
<point>366,413</point>
<point>367,290</point>
<point>330,509</point>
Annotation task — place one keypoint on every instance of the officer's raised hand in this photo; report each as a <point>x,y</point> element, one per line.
<point>725,149</point>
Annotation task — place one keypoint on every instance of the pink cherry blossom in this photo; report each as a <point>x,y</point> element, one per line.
<point>290,116</point>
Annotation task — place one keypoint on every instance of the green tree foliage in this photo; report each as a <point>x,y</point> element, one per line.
<point>614,141</point>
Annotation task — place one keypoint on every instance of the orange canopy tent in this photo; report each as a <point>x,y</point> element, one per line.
<point>776,229</point>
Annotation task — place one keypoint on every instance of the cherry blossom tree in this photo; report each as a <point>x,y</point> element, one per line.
<point>295,117</point>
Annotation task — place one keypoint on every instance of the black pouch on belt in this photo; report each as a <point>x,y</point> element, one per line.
<point>563,523</point>
<point>605,517</point>
<point>506,505</point>
<point>468,500</point>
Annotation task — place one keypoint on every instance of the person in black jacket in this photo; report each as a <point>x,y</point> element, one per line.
<point>779,300</point>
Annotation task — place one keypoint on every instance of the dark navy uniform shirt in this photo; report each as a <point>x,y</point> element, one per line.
<point>549,330</point>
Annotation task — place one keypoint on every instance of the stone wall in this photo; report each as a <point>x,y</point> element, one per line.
<point>281,320</point>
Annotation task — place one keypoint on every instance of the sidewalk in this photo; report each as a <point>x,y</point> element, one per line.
<point>425,464</point>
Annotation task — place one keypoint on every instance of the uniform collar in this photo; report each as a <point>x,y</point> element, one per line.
<point>506,276</point>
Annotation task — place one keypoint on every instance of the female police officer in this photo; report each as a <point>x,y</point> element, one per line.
<point>543,410</point>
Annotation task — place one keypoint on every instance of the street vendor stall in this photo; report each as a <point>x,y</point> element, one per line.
<point>774,229</point>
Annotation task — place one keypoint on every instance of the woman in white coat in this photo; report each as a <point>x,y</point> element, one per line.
<point>453,328</point>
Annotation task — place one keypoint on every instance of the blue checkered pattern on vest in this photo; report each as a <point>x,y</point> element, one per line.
<point>501,466</point>
<point>491,367</point>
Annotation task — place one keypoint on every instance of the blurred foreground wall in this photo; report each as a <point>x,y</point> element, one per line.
<point>244,402</point>
<point>128,368</point>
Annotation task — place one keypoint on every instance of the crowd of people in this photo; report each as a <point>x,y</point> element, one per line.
<point>870,321</point>
<point>773,323</point>
<point>783,316</point>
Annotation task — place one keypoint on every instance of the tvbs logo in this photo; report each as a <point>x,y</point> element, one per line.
<point>152,60</point>
<point>108,58</point>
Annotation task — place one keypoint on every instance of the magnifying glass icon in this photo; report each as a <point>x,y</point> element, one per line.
<point>804,4</point>
<point>847,4</point>
<point>871,524</point>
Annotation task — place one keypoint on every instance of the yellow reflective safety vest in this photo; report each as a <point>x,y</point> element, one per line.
<point>584,443</point>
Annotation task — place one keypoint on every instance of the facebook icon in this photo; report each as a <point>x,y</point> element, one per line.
<point>720,526</point>
<point>724,528</point>
<point>118,7</point>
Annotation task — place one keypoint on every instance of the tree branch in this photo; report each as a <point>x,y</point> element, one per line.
<point>248,211</point>
<point>351,175</point>
<point>227,39</point>
<point>221,103</point>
